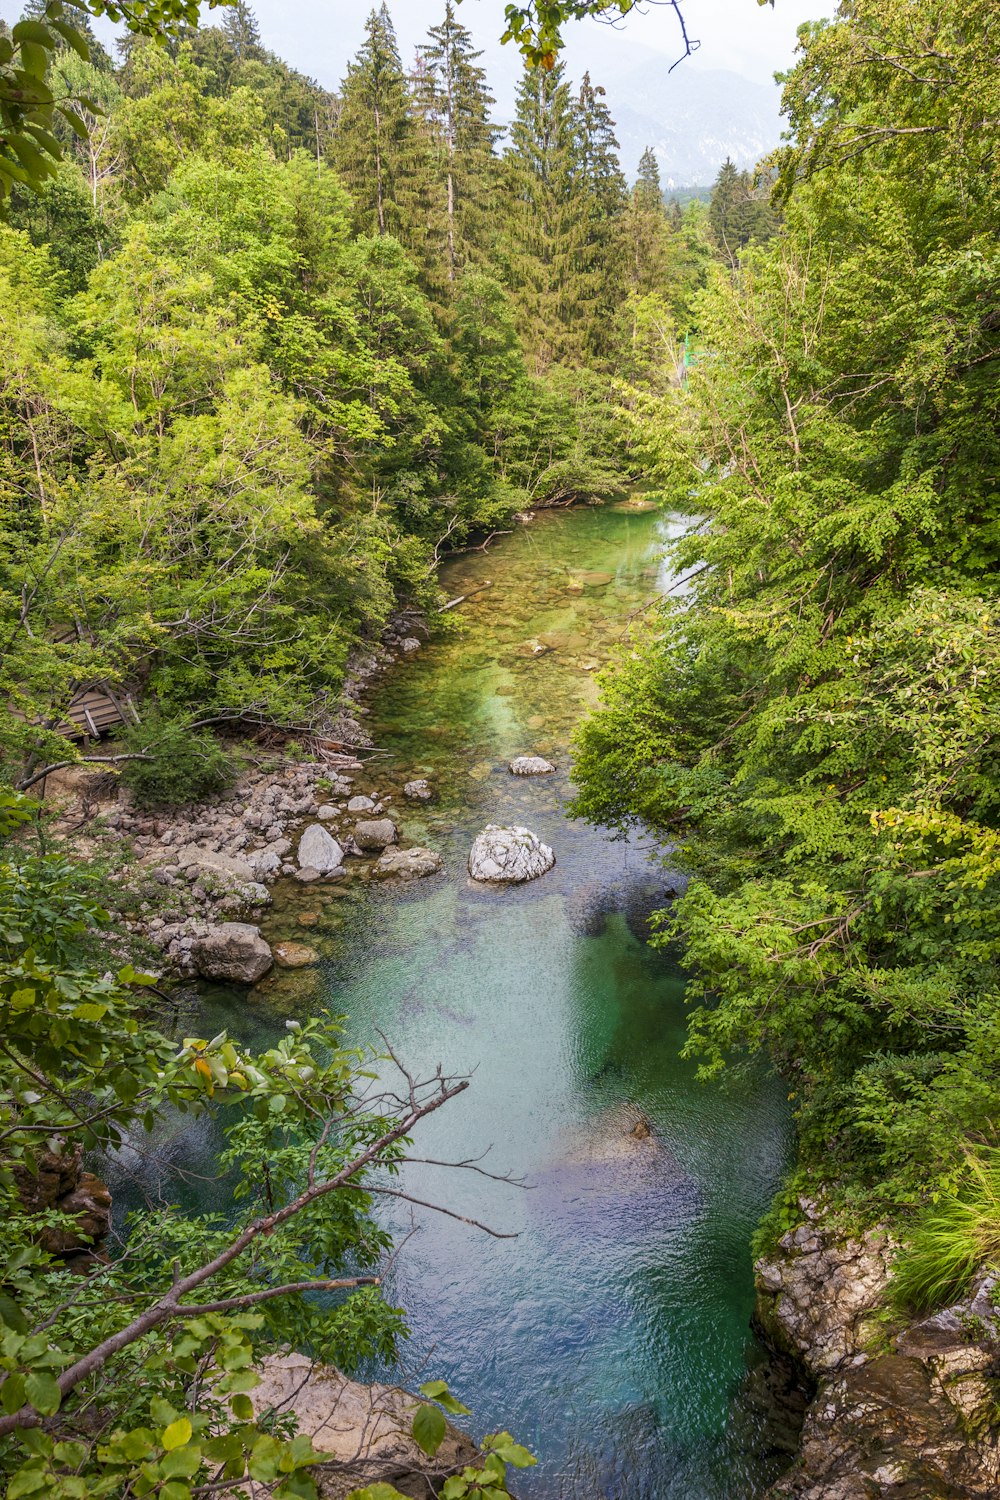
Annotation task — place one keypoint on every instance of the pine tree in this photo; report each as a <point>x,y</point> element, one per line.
<point>451,93</point>
<point>544,232</point>
<point>378,149</point>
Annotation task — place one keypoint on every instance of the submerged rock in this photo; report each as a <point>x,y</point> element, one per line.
<point>360,804</point>
<point>375,833</point>
<point>409,864</point>
<point>530,765</point>
<point>319,850</point>
<point>366,1430</point>
<point>418,791</point>
<point>233,951</point>
<point>291,955</point>
<point>509,854</point>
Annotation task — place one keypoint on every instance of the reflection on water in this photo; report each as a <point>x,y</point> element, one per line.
<point>612,1334</point>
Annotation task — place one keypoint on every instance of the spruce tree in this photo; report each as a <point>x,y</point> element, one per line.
<point>603,194</point>
<point>544,232</point>
<point>451,93</point>
<point>240,29</point>
<point>379,151</point>
<point>645,229</point>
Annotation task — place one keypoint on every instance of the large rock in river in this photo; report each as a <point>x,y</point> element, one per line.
<point>509,854</point>
<point>233,951</point>
<point>375,833</point>
<point>409,864</point>
<point>319,850</point>
<point>530,765</point>
<point>366,1430</point>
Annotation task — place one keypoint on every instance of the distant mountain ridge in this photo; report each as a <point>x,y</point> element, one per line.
<point>693,119</point>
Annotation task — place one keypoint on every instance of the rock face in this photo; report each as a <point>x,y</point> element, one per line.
<point>59,1183</point>
<point>233,951</point>
<point>509,854</point>
<point>914,1419</point>
<point>375,833</point>
<point>530,765</point>
<point>418,791</point>
<point>319,850</point>
<point>366,1429</point>
<point>409,864</point>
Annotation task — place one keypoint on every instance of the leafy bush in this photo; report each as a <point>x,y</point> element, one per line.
<point>184,765</point>
<point>952,1240</point>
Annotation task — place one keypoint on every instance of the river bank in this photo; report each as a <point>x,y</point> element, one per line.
<point>629,1290</point>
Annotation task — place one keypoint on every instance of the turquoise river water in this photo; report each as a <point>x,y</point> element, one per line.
<point>612,1335</point>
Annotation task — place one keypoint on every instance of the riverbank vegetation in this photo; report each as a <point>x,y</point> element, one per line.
<point>269,352</point>
<point>815,714</point>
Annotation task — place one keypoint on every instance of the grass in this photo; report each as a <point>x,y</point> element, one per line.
<point>951,1241</point>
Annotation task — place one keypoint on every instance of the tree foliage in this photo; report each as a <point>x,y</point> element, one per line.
<point>814,712</point>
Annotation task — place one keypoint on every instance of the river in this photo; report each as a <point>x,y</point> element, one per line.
<point>611,1335</point>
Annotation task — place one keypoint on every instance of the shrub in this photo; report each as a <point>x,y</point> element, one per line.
<point>185,765</point>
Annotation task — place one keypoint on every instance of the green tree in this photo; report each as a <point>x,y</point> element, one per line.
<point>817,722</point>
<point>379,151</point>
<point>452,95</point>
<point>544,235</point>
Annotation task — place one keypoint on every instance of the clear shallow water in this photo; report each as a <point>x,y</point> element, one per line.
<point>612,1334</point>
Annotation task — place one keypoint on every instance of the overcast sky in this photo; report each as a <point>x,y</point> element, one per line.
<point>319,36</point>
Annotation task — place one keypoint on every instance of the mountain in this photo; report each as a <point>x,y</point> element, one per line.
<point>693,118</point>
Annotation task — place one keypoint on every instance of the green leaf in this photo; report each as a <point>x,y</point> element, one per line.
<point>28,1481</point>
<point>33,31</point>
<point>242,1408</point>
<point>429,1428</point>
<point>43,1392</point>
<point>12,1393</point>
<point>11,1314</point>
<point>514,1453</point>
<point>177,1434</point>
<point>72,38</point>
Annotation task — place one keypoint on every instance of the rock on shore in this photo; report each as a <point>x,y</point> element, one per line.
<point>509,854</point>
<point>365,1429</point>
<point>409,864</point>
<point>319,850</point>
<point>233,951</point>
<point>907,1417</point>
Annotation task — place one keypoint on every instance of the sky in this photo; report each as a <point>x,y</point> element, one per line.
<point>320,36</point>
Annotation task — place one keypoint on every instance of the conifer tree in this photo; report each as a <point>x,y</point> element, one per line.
<point>645,229</point>
<point>738,211</point>
<point>603,195</point>
<point>545,233</point>
<point>240,29</point>
<point>379,152</point>
<point>451,92</point>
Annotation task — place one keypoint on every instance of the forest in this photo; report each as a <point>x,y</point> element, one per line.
<point>270,355</point>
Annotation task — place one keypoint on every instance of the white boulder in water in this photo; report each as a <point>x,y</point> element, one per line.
<point>509,854</point>
<point>530,765</point>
